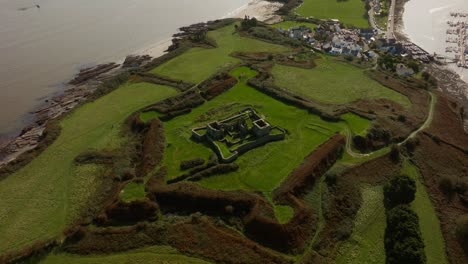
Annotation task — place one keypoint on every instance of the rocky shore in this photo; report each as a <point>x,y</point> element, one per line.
<point>82,87</point>
<point>87,81</point>
<point>448,81</point>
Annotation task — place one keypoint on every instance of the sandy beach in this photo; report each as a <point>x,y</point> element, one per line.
<point>264,11</point>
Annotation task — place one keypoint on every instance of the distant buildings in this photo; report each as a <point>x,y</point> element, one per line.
<point>330,37</point>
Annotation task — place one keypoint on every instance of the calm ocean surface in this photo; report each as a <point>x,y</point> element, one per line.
<point>41,48</point>
<point>425,23</point>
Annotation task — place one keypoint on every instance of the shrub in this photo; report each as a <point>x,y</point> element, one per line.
<point>189,164</point>
<point>447,184</point>
<point>349,57</point>
<point>402,118</point>
<point>395,153</point>
<point>462,231</point>
<point>400,190</point>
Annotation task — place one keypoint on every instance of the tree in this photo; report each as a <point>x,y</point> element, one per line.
<point>414,66</point>
<point>403,241</point>
<point>395,153</point>
<point>400,190</point>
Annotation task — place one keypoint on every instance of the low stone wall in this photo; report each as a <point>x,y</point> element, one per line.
<point>259,142</point>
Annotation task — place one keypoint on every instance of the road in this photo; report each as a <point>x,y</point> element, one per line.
<point>372,20</point>
<point>390,34</point>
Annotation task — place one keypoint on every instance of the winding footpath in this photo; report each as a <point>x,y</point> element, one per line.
<point>426,124</point>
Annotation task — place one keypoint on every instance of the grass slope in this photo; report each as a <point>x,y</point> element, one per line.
<point>37,201</point>
<point>197,64</point>
<point>261,169</point>
<point>290,24</point>
<point>366,244</point>
<point>154,254</point>
<point>348,12</point>
<point>428,222</point>
<point>334,82</point>
<point>133,191</point>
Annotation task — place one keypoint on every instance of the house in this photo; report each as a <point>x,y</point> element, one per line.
<point>336,51</point>
<point>403,70</point>
<point>367,33</point>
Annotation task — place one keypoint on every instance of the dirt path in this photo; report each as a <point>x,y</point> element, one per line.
<point>426,124</point>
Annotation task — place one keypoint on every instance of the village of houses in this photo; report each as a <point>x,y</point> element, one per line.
<point>332,38</point>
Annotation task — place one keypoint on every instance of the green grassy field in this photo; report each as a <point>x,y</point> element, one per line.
<point>366,244</point>
<point>290,24</point>
<point>38,200</point>
<point>428,222</point>
<point>357,124</point>
<point>197,64</point>
<point>334,82</point>
<point>283,213</point>
<point>348,12</point>
<point>154,254</point>
<point>261,169</point>
<point>133,191</point>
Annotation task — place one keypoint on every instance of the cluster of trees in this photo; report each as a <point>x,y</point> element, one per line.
<point>375,135</point>
<point>248,23</point>
<point>403,241</point>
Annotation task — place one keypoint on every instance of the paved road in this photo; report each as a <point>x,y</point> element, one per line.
<point>390,34</point>
<point>372,21</point>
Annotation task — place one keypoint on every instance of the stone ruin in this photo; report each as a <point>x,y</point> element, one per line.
<point>237,134</point>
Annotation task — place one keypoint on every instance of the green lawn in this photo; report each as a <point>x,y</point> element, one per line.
<point>357,124</point>
<point>348,12</point>
<point>133,191</point>
<point>38,200</point>
<point>197,64</point>
<point>261,169</point>
<point>153,254</point>
<point>290,24</point>
<point>428,222</point>
<point>283,213</point>
<point>333,82</point>
<point>366,244</point>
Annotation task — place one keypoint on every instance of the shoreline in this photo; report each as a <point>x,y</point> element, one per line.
<point>263,10</point>
<point>449,80</point>
<point>59,104</point>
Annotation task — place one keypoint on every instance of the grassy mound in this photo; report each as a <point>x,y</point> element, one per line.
<point>261,169</point>
<point>334,82</point>
<point>41,198</point>
<point>198,64</point>
<point>348,12</point>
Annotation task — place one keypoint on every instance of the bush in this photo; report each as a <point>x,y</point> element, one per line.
<point>349,57</point>
<point>395,153</point>
<point>447,184</point>
<point>402,118</point>
<point>462,231</point>
<point>403,242</point>
<point>400,190</point>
